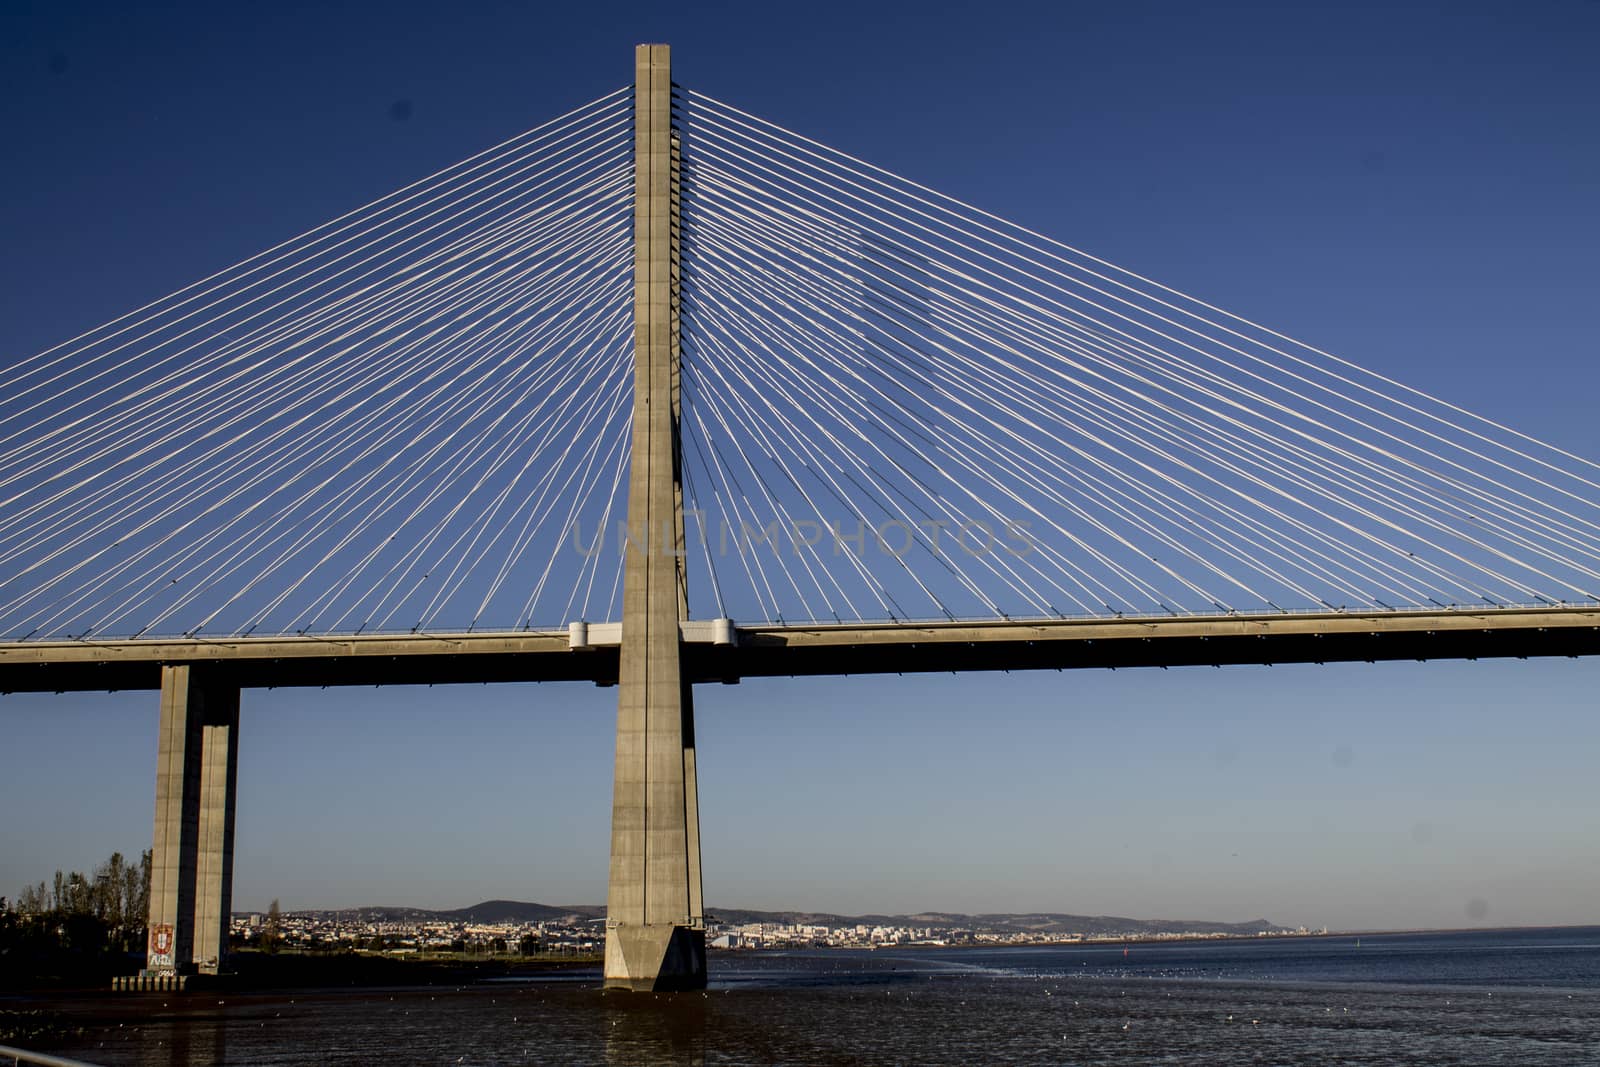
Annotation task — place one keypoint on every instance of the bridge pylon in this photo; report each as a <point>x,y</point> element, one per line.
<point>191,868</point>
<point>655,928</point>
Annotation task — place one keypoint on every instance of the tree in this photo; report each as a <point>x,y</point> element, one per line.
<point>33,901</point>
<point>106,893</point>
<point>272,933</point>
<point>142,908</point>
<point>80,927</point>
<point>136,894</point>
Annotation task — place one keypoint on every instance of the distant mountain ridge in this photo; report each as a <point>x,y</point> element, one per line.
<point>490,911</point>
<point>517,911</point>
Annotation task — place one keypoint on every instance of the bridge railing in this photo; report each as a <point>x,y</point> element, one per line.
<point>19,1056</point>
<point>610,626</point>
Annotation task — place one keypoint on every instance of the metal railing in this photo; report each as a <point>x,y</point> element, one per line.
<point>19,1056</point>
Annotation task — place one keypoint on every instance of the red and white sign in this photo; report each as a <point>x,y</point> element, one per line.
<point>160,946</point>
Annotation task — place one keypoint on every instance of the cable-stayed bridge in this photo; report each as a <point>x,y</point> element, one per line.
<point>661,393</point>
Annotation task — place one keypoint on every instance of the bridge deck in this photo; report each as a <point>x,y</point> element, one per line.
<point>817,649</point>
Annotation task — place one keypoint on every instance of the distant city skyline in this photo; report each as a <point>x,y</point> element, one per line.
<point>1409,188</point>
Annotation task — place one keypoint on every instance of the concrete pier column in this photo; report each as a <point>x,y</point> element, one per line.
<point>191,875</point>
<point>655,929</point>
<point>213,881</point>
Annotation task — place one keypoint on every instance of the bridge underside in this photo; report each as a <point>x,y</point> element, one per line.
<point>796,651</point>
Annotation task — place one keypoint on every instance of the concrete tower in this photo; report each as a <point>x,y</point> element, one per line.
<point>655,929</point>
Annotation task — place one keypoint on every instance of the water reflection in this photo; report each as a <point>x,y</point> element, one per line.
<point>180,1043</point>
<point>650,1028</point>
<point>186,1043</point>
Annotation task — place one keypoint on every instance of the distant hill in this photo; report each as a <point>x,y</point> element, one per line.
<point>490,911</point>
<point>517,911</point>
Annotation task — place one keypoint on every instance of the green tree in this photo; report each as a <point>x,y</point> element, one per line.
<point>137,888</point>
<point>272,932</point>
<point>106,893</point>
<point>76,928</point>
<point>33,900</point>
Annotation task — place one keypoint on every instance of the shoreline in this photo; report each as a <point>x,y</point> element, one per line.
<point>291,972</point>
<point>1128,942</point>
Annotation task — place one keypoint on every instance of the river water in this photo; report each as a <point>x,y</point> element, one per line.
<point>1525,998</point>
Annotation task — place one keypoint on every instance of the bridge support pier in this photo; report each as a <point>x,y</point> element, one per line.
<point>191,871</point>
<point>655,928</point>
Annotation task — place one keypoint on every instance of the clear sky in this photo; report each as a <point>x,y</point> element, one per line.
<point>1412,186</point>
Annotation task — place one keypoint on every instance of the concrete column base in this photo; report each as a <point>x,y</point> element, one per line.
<point>150,982</point>
<point>655,958</point>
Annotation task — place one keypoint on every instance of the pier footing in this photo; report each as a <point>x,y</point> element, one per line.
<point>657,958</point>
<point>150,983</point>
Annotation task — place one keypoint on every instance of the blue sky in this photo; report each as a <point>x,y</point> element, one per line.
<point>1411,186</point>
